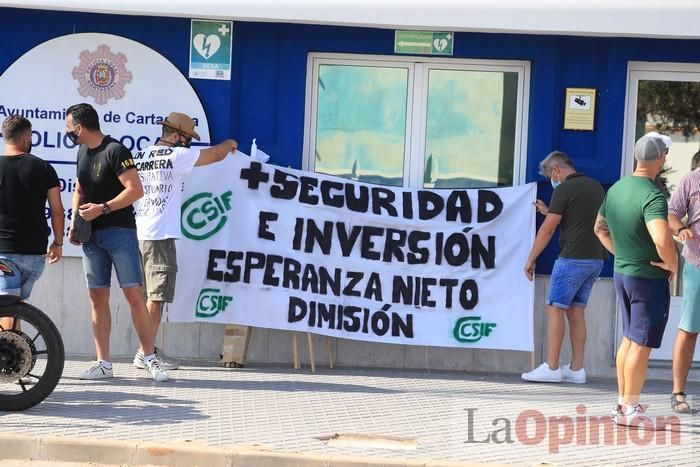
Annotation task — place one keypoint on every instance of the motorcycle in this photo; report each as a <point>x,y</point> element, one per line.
<point>31,354</point>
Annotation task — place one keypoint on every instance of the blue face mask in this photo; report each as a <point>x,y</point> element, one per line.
<point>554,184</point>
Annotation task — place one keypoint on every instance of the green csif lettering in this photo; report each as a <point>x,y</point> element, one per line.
<point>204,214</point>
<point>471,329</point>
<point>210,303</point>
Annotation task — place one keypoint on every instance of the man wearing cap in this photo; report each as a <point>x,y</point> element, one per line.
<point>107,186</point>
<point>632,224</point>
<point>162,169</point>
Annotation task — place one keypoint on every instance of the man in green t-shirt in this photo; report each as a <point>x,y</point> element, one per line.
<point>632,224</point>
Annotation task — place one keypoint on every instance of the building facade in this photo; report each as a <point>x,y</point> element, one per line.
<point>339,99</point>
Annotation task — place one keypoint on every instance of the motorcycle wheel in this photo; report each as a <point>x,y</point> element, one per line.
<point>34,351</point>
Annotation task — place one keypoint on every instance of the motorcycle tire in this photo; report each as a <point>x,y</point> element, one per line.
<point>30,396</point>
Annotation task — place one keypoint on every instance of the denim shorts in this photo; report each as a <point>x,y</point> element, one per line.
<point>116,246</point>
<point>31,267</point>
<point>644,307</point>
<point>572,281</point>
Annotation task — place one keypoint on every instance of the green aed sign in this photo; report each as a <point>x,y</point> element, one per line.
<point>423,42</point>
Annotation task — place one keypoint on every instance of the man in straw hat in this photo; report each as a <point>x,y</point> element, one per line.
<point>162,169</point>
<point>632,224</point>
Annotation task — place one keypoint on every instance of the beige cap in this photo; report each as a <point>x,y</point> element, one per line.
<point>182,123</point>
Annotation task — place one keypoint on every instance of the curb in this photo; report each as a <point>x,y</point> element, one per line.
<point>104,451</point>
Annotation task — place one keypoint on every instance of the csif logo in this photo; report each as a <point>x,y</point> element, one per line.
<point>210,303</point>
<point>204,214</point>
<point>471,329</point>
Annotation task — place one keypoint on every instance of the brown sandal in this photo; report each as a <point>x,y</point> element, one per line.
<point>680,406</point>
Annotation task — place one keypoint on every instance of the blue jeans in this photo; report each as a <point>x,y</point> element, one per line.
<point>30,267</point>
<point>572,281</point>
<point>112,246</point>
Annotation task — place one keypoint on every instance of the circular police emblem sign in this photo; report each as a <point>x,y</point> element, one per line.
<point>103,70</point>
<point>102,74</point>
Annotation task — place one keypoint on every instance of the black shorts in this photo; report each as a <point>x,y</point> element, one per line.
<point>644,307</point>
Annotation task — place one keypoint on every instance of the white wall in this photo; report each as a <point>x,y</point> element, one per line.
<point>643,18</point>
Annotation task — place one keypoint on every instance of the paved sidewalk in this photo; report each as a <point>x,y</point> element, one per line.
<point>378,413</point>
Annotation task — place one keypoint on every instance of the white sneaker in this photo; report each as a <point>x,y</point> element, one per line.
<point>156,371</point>
<point>96,371</point>
<point>570,376</point>
<point>542,374</point>
<point>619,409</point>
<point>638,418</point>
<point>138,360</point>
<point>616,411</point>
<point>166,362</point>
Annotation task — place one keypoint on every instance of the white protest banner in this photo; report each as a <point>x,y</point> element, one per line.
<point>116,75</point>
<point>286,249</point>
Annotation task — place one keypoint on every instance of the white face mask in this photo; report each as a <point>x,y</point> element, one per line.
<point>554,183</point>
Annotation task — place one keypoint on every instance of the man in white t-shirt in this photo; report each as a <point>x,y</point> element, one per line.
<point>162,169</point>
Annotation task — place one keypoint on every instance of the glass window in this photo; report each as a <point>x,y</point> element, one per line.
<point>361,123</point>
<point>434,123</point>
<point>470,130</point>
<point>670,107</point>
<point>664,97</point>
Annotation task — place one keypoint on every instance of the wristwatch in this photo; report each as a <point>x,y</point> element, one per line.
<point>106,209</point>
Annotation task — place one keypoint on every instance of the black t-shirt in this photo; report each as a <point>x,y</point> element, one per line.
<point>577,200</point>
<point>98,174</point>
<point>24,182</point>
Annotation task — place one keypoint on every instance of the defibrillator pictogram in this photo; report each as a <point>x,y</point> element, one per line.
<point>102,74</point>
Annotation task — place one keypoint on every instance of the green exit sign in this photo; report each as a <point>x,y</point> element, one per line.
<point>423,42</point>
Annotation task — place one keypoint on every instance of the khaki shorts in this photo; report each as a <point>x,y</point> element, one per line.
<point>159,260</point>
